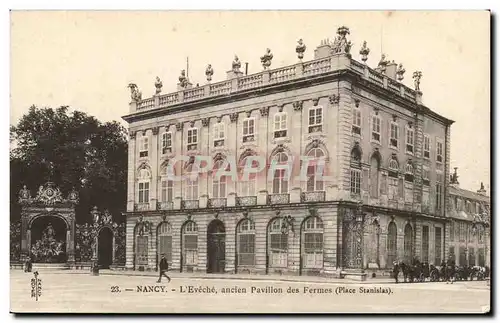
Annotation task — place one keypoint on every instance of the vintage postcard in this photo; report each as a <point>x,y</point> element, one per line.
<point>250,162</point>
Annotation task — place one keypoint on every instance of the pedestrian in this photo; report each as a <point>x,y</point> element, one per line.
<point>395,271</point>
<point>163,268</point>
<point>28,265</point>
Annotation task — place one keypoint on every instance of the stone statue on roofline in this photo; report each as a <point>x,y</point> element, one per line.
<point>341,45</point>
<point>158,85</point>
<point>135,94</point>
<point>236,64</point>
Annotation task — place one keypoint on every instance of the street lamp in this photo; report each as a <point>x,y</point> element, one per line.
<point>95,265</point>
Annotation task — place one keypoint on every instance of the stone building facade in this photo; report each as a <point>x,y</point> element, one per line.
<point>383,155</point>
<point>469,225</point>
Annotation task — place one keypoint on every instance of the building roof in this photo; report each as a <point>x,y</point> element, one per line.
<point>331,61</point>
<point>457,191</point>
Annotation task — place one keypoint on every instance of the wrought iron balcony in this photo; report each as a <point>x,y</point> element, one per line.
<point>217,202</point>
<point>317,196</point>
<point>141,206</point>
<point>246,200</point>
<point>278,199</point>
<point>165,205</point>
<point>190,204</point>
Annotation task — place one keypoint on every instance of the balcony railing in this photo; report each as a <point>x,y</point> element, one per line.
<point>190,204</point>
<point>318,196</point>
<point>278,199</point>
<point>246,200</point>
<point>165,206</point>
<point>276,76</point>
<point>141,206</point>
<point>217,202</point>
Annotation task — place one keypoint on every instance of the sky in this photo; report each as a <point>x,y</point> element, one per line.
<point>86,59</point>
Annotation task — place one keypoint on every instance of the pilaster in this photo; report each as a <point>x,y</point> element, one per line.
<point>131,171</point>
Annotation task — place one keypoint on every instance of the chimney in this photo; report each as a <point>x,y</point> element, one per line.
<point>391,69</point>
<point>323,50</point>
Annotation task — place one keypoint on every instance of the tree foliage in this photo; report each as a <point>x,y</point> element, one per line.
<point>71,149</point>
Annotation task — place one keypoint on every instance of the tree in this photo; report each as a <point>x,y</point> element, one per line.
<point>71,149</point>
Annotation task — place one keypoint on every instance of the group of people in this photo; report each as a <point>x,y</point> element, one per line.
<point>418,271</point>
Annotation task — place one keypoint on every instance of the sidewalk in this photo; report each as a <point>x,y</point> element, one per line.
<point>284,278</point>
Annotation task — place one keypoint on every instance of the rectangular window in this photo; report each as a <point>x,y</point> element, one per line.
<point>393,188</point>
<point>410,133</point>
<point>376,128</point>
<point>425,201</point>
<point>246,249</point>
<point>166,143</point>
<point>355,181</point>
<point>144,192</point>
<point>144,147</point>
<point>313,248</point>
<point>279,250</point>
<point>356,122</point>
<point>425,176</point>
<point>165,247</point>
<point>219,135</point>
<point>249,130</point>
<point>192,138</point>
<point>394,136</point>
<point>437,245</point>
<point>462,232</point>
<point>167,191</point>
<point>439,151</point>
<point>191,189</point>
<point>280,127</point>
<point>427,147</point>
<point>316,119</point>
<point>190,249</point>
<point>425,243</point>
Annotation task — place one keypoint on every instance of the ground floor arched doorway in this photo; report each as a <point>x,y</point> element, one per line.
<point>216,247</point>
<point>48,239</point>
<point>105,247</point>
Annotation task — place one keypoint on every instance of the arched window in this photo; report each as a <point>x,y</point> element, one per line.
<point>374,175</point>
<point>144,182</point>
<point>246,243</point>
<point>190,243</point>
<point>392,243</point>
<point>218,182</point>
<point>280,179</point>
<point>277,244</point>
<point>248,179</point>
<point>315,167</point>
<point>313,243</point>
<point>409,172</point>
<point>408,244</point>
<point>165,241</point>
<point>191,183</point>
<point>394,165</point>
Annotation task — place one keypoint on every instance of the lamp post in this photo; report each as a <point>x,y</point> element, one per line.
<point>95,265</point>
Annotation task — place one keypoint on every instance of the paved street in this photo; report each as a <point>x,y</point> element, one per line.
<point>81,292</point>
